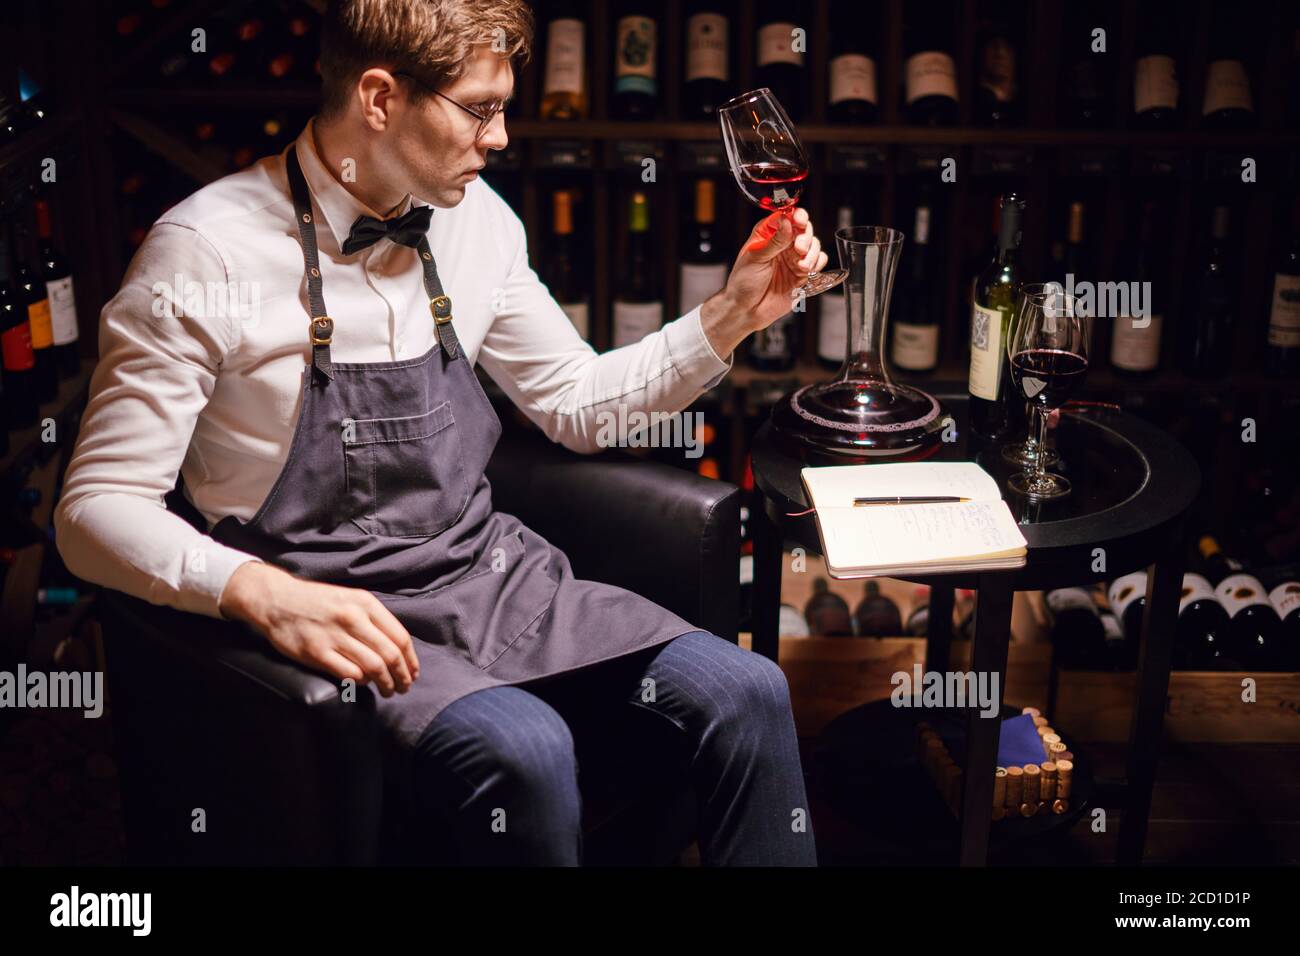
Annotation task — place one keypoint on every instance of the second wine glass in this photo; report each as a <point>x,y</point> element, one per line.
<point>770,164</point>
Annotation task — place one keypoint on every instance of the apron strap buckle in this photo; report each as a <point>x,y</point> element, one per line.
<point>322,331</point>
<point>441,309</point>
<point>440,306</point>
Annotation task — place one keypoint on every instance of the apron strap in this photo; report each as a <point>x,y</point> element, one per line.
<point>439,304</point>
<point>321,328</point>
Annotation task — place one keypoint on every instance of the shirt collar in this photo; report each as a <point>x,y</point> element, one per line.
<point>339,207</point>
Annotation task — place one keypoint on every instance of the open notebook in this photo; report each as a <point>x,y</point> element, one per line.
<point>859,541</point>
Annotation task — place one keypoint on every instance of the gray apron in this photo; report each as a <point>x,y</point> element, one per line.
<point>383,489</point>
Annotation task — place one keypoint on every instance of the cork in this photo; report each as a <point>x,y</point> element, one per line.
<point>1047,785</point>
<point>1033,778</point>
<point>1046,729</point>
<point>1031,711</point>
<point>1060,806</point>
<point>1015,786</point>
<point>1064,776</point>
<point>1044,808</point>
<point>1040,722</point>
<point>1028,809</point>
<point>999,813</point>
<point>999,786</point>
<point>1054,751</point>
<point>1064,755</point>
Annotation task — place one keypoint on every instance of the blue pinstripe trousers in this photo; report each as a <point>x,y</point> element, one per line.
<point>500,767</point>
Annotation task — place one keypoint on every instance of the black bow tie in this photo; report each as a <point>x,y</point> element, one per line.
<point>405,230</point>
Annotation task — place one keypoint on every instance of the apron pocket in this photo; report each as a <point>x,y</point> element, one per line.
<point>405,476</point>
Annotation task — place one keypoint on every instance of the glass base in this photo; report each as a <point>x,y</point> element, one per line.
<point>1015,453</point>
<point>861,417</point>
<point>1047,486</point>
<point>819,282</point>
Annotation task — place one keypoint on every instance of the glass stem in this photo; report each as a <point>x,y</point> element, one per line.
<point>1039,434</point>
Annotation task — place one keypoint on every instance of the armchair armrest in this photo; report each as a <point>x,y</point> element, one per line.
<point>665,533</point>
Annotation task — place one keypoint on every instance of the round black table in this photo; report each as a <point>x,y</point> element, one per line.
<point>1133,485</point>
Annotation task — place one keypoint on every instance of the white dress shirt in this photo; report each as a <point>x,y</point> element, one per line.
<point>186,384</point>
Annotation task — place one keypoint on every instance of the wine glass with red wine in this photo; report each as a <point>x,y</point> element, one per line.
<point>770,164</point>
<point>1048,348</point>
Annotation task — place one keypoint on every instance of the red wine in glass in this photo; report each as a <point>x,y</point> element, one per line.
<point>1047,377</point>
<point>772,186</point>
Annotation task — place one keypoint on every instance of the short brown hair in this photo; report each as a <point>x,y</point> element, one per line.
<point>432,39</point>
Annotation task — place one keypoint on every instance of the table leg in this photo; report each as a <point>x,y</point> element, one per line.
<point>766,597</point>
<point>938,635</point>
<point>1159,617</point>
<point>988,656</point>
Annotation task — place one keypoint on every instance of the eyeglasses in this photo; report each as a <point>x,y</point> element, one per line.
<point>484,116</point>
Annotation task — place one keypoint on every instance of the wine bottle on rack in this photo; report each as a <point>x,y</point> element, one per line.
<point>1127,596</point>
<point>853,68</point>
<point>916,330</point>
<point>1086,96</point>
<point>1209,346</point>
<point>704,265</point>
<point>636,90</point>
<point>708,74</point>
<point>1155,73</point>
<point>1284,594</point>
<point>1227,105</point>
<point>1076,250</point>
<point>560,269</point>
<point>564,83</point>
<point>294,52</point>
<point>930,74</point>
<point>15,348</point>
<point>36,301</point>
<point>1256,627</point>
<point>1284,312</point>
<point>1077,637</point>
<point>639,305</point>
<point>876,615</point>
<point>773,349</point>
<point>779,59</point>
<point>1201,634</point>
<point>995,292</point>
<point>57,275</point>
<point>997,83</point>
<point>1135,340</point>
<point>832,315</point>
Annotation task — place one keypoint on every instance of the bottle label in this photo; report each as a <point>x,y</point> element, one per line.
<point>1227,87</point>
<point>63,310</point>
<point>636,56</point>
<point>773,342</point>
<point>986,352</point>
<point>1195,588</point>
<point>1125,590</point>
<point>564,55</point>
<point>916,347</point>
<point>931,74</point>
<point>1284,317</point>
<point>832,328</point>
<point>699,281</point>
<point>38,317</point>
<point>706,47</point>
<point>1135,349</point>
<point>853,77</point>
<point>998,69</point>
<point>633,321</point>
<point>1237,592</point>
<point>1155,83</point>
<point>1071,599</point>
<point>16,347</point>
<point>578,314</point>
<point>1285,598</point>
<point>776,45</point>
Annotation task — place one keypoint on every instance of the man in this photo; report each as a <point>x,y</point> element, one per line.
<point>335,439</point>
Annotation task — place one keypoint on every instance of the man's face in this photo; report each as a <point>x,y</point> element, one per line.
<point>434,141</point>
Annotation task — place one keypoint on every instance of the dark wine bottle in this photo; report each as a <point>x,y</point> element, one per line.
<point>1135,341</point>
<point>31,293</point>
<point>1201,635</point>
<point>639,304</point>
<point>1077,265</point>
<point>876,615</point>
<point>996,290</point>
<point>998,98</point>
<point>1284,312</point>
<point>827,613</point>
<point>1284,594</point>
<point>636,54</point>
<point>832,312</point>
<point>1255,626</point>
<point>1155,72</point>
<point>1228,104</point>
<point>708,70</point>
<point>561,270</point>
<point>704,265</point>
<point>1077,636</point>
<point>1086,97</point>
<point>1209,346</point>
<point>853,65</point>
<point>1127,596</point>
<point>564,81</point>
<point>15,348</point>
<point>930,74</point>
<point>780,54</point>
<point>916,328</point>
<point>773,349</point>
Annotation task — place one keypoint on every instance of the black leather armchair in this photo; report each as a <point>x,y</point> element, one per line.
<point>207,717</point>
